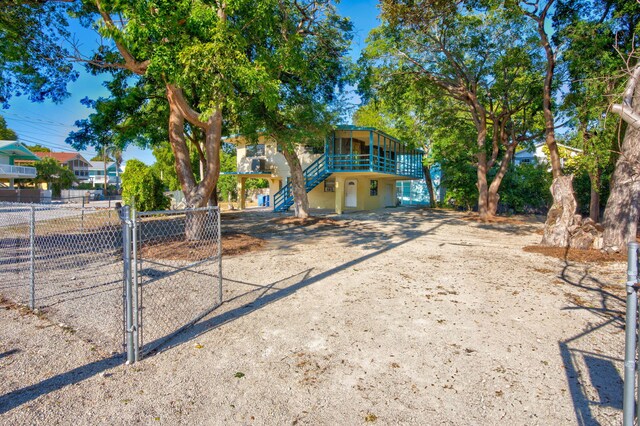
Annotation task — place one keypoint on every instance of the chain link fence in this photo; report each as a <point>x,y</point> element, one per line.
<point>66,263</point>
<point>178,271</point>
<point>117,278</point>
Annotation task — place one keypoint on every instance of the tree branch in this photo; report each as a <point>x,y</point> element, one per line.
<point>130,61</point>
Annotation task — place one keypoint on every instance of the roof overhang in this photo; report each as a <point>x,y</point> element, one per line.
<point>18,152</point>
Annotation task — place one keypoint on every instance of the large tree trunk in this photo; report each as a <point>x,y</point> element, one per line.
<point>433,202</point>
<point>483,187</point>
<point>561,214</point>
<point>493,195</point>
<point>594,199</point>
<point>196,195</point>
<point>213,199</point>
<point>621,214</point>
<point>300,199</point>
<point>554,233</point>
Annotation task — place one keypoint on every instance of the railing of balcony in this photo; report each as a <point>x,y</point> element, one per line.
<point>6,169</point>
<point>385,155</point>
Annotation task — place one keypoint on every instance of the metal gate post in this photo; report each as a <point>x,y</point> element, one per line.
<point>217,211</point>
<point>631,321</point>
<point>134,287</point>
<point>32,259</point>
<point>128,297</point>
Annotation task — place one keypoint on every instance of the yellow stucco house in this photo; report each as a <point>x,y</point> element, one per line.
<point>356,169</point>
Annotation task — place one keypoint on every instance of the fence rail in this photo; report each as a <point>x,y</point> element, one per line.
<point>103,273</point>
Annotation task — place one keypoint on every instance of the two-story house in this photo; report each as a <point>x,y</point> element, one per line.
<point>10,152</point>
<point>96,173</point>
<point>355,169</point>
<point>74,161</point>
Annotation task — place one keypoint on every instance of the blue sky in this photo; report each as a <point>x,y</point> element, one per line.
<point>49,124</point>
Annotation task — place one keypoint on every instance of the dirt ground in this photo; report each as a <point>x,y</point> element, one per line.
<point>401,316</point>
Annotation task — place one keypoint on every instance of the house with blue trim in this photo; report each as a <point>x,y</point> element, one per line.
<point>357,168</point>
<point>96,173</point>
<point>10,152</point>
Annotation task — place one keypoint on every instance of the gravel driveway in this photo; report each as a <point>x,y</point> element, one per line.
<point>403,316</point>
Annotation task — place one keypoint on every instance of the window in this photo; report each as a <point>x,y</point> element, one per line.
<point>330,185</point>
<point>525,161</point>
<point>373,188</point>
<point>255,150</point>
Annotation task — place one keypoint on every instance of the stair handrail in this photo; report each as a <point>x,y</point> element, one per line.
<point>311,172</point>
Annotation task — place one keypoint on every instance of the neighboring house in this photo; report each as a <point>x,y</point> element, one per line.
<point>74,161</point>
<point>538,156</point>
<point>416,193</point>
<point>356,169</point>
<point>10,152</point>
<point>96,173</point>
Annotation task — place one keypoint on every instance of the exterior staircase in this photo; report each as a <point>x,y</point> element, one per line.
<point>314,174</point>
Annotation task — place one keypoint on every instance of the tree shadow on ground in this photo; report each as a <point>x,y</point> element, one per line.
<point>365,229</point>
<point>601,371</point>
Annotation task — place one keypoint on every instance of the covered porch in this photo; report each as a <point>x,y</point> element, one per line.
<point>366,149</point>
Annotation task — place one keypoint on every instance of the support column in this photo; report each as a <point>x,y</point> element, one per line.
<point>274,186</point>
<point>339,191</point>
<point>11,183</point>
<point>241,197</point>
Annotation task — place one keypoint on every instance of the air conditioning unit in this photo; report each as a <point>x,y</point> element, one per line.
<point>258,165</point>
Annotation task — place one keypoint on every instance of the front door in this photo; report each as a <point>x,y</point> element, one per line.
<point>388,196</point>
<point>351,194</point>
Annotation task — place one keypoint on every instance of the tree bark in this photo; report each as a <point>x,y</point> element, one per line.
<point>213,199</point>
<point>561,214</point>
<point>300,199</point>
<point>622,212</point>
<point>433,202</point>
<point>196,195</point>
<point>483,187</point>
<point>556,233</point>
<point>493,196</point>
<point>594,199</point>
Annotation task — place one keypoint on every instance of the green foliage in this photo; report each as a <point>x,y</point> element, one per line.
<point>165,165</point>
<point>37,148</point>
<point>32,59</point>
<point>56,176</point>
<point>140,183</point>
<point>100,157</point>
<point>526,189</point>
<point>462,80</point>
<point>6,134</point>
<point>311,68</point>
<point>228,184</point>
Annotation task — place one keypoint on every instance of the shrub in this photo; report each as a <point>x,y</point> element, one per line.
<point>141,184</point>
<point>525,189</point>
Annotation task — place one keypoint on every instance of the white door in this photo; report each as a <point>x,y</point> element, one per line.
<point>388,196</point>
<point>351,193</point>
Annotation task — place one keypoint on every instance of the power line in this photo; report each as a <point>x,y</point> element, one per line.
<point>57,147</point>
<point>38,120</point>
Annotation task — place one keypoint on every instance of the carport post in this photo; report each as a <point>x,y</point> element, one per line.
<point>628,403</point>
<point>32,259</point>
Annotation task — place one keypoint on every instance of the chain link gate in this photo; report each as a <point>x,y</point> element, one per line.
<point>115,277</point>
<point>174,276</point>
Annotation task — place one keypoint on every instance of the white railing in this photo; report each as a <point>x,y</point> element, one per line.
<point>17,171</point>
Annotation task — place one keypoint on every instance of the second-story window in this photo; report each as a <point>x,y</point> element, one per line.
<point>255,150</point>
